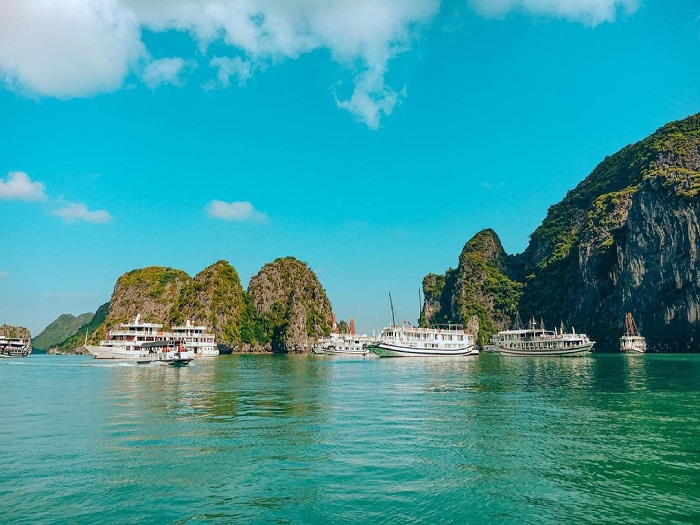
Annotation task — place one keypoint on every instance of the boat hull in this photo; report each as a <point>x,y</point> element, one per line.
<point>577,350</point>
<point>390,350</point>
<point>119,353</point>
<point>633,344</point>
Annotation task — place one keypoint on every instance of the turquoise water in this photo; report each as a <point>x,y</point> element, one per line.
<point>304,439</point>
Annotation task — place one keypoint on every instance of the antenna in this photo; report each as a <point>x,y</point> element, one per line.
<point>391,303</point>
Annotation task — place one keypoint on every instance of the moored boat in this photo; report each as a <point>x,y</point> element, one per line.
<point>350,344</point>
<point>196,339</point>
<point>536,341</point>
<point>414,341</point>
<point>632,340</point>
<point>15,346</point>
<point>147,343</point>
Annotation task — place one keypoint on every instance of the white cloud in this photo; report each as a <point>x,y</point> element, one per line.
<point>19,186</point>
<point>164,71</point>
<point>234,211</point>
<point>4,275</point>
<point>78,212</point>
<point>589,12</point>
<point>75,48</point>
<point>67,49</point>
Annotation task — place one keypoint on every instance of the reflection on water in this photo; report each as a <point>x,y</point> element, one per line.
<point>488,439</point>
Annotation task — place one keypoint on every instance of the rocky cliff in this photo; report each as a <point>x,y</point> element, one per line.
<point>15,331</point>
<point>478,287</point>
<point>215,298</point>
<point>289,307</point>
<point>150,292</point>
<point>626,239</point>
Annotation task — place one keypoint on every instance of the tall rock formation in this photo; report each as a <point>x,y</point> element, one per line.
<point>215,298</point>
<point>149,292</point>
<point>479,287</point>
<point>289,307</point>
<point>626,239</point>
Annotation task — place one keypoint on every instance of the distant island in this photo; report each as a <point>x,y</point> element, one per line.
<point>626,239</point>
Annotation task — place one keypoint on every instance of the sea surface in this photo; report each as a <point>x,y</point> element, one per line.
<point>314,439</point>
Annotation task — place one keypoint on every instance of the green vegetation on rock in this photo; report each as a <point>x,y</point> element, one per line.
<point>59,330</point>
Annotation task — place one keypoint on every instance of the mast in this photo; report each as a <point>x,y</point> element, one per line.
<point>518,323</point>
<point>391,303</point>
<point>420,306</point>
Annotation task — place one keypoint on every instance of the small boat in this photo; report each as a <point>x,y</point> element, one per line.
<point>15,346</point>
<point>536,341</point>
<point>632,340</point>
<point>415,341</point>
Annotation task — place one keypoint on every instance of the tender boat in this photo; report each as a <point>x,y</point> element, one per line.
<point>15,346</point>
<point>632,340</point>
<point>414,341</point>
<point>536,341</point>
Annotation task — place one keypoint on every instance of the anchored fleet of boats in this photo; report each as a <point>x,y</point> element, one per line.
<point>149,343</point>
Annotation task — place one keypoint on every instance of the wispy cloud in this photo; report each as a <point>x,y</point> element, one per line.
<point>74,212</point>
<point>227,68</point>
<point>234,211</point>
<point>62,296</point>
<point>588,12</point>
<point>19,186</point>
<point>164,71</point>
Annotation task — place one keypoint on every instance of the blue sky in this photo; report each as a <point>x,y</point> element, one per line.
<point>370,139</point>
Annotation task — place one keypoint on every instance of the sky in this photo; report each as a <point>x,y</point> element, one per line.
<point>370,139</point>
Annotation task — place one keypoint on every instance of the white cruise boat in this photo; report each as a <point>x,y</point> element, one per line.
<point>148,343</point>
<point>536,341</point>
<point>15,346</point>
<point>135,340</point>
<point>196,339</point>
<point>414,341</point>
<point>632,340</point>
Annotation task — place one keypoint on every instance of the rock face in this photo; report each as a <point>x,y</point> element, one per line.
<point>15,331</point>
<point>626,239</point>
<point>150,292</point>
<point>289,306</point>
<point>214,297</point>
<point>479,288</point>
<point>58,331</point>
